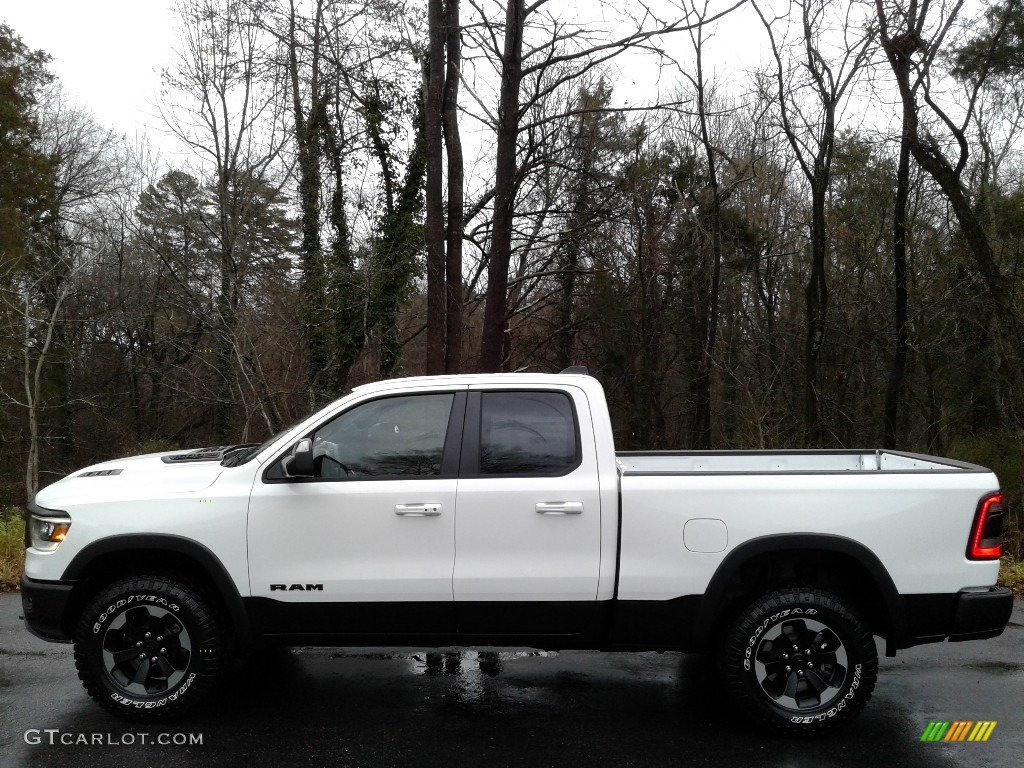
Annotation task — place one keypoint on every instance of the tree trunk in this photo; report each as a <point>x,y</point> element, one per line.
<point>349,297</point>
<point>894,391</point>
<point>435,233</point>
<point>32,405</point>
<point>307,140</point>
<point>32,380</point>
<point>456,204</point>
<point>568,267</point>
<point>495,315</point>
<point>707,304</point>
<point>816,301</point>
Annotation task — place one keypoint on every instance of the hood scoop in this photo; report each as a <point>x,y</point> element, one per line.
<point>101,473</point>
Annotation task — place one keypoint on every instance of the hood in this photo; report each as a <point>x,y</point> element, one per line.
<point>149,476</point>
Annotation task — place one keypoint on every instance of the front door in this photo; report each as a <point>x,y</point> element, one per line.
<point>367,546</point>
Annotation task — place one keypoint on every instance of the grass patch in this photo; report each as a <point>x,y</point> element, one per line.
<point>1011,574</point>
<point>12,548</point>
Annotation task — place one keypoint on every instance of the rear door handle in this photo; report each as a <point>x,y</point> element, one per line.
<point>417,510</point>
<point>560,508</point>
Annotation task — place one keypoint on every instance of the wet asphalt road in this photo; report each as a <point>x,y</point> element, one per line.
<point>506,707</point>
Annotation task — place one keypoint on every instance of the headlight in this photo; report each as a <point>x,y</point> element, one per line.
<point>46,533</point>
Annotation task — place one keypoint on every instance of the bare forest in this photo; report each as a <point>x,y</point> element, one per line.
<point>820,251</point>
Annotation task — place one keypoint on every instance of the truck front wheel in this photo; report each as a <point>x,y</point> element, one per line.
<point>148,647</point>
<point>799,661</point>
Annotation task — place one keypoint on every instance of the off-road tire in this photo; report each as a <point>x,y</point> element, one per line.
<point>136,620</point>
<point>768,673</point>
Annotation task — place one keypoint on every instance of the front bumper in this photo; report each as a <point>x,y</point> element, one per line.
<point>44,605</point>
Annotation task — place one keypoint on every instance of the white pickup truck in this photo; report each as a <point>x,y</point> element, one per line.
<point>494,510</point>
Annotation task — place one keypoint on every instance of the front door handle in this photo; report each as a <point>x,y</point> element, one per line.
<point>417,510</point>
<point>560,508</point>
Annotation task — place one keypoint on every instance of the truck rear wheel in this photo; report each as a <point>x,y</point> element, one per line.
<point>799,661</point>
<point>148,647</point>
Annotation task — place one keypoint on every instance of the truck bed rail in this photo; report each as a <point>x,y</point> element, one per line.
<point>789,462</point>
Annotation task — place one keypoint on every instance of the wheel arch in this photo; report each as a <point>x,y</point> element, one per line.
<point>861,570</point>
<point>125,554</point>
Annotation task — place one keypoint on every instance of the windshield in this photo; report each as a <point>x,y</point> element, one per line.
<point>244,453</point>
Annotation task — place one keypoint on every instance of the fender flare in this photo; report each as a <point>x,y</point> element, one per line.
<point>179,545</point>
<point>711,605</point>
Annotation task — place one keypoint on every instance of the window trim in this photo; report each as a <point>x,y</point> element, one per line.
<point>469,467</point>
<point>450,453</point>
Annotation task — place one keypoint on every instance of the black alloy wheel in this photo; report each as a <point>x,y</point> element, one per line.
<point>801,664</point>
<point>146,650</point>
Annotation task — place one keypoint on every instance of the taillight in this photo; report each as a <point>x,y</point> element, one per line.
<point>986,542</point>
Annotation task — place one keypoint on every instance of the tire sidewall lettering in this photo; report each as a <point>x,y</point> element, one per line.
<point>128,701</point>
<point>840,705</point>
<point>125,602</point>
<point>770,621</point>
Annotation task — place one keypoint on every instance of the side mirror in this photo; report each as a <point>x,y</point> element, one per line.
<point>300,462</point>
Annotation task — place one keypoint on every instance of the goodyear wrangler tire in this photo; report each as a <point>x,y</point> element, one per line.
<point>149,647</point>
<point>799,661</point>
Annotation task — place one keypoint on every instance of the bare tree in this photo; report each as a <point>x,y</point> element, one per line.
<point>707,273</point>
<point>803,69</point>
<point>87,173</point>
<point>38,324</point>
<point>308,123</point>
<point>914,36</point>
<point>558,53</point>
<point>229,115</point>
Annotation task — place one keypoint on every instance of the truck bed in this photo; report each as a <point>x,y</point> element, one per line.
<point>798,462</point>
<point>682,512</point>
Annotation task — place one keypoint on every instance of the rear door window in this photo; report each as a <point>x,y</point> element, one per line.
<point>527,433</point>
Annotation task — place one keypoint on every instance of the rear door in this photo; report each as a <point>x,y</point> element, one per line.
<point>528,533</point>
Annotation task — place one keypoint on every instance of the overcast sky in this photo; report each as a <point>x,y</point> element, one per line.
<point>108,53</point>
